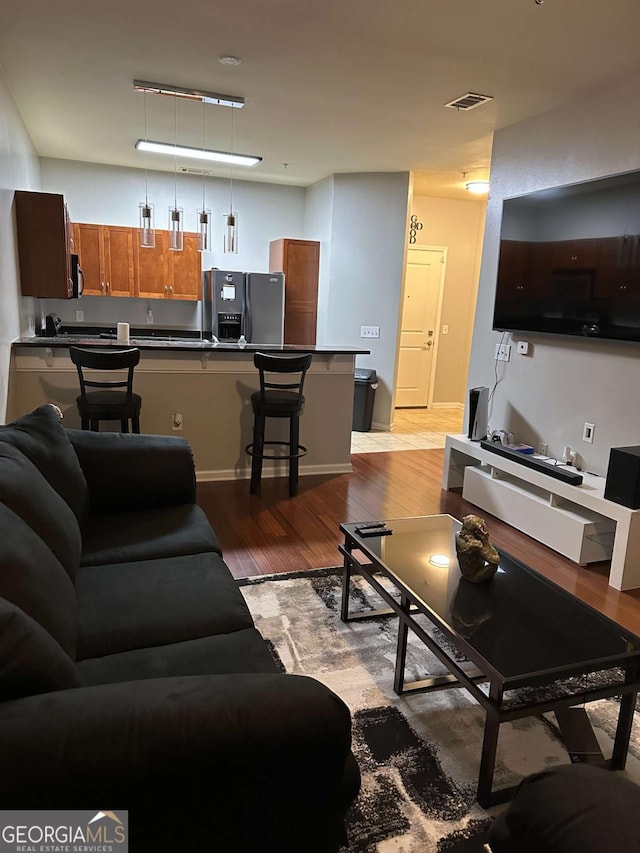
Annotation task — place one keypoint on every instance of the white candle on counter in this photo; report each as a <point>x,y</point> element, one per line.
<point>123,333</point>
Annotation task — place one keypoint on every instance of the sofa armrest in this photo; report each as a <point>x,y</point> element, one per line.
<point>256,757</point>
<point>126,472</point>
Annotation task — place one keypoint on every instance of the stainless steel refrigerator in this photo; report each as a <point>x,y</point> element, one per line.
<point>236,303</point>
<point>264,314</point>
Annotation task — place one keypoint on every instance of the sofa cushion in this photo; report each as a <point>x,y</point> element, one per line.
<point>241,651</point>
<point>573,808</point>
<point>30,659</point>
<point>42,438</point>
<point>25,491</point>
<point>33,579</point>
<point>146,535</point>
<point>126,606</point>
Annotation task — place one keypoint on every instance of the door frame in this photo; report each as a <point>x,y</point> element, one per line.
<point>434,360</point>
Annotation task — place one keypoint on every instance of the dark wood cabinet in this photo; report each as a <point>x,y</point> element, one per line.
<point>299,260</point>
<point>44,250</point>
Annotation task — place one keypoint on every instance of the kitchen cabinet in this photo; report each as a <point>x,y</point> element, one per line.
<point>44,250</point>
<point>161,273</point>
<point>299,260</point>
<point>106,259</point>
<point>114,263</point>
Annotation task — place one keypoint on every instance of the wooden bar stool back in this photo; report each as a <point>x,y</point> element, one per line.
<point>280,396</point>
<point>115,400</point>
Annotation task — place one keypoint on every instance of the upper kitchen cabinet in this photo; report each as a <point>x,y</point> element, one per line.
<point>299,260</point>
<point>106,259</point>
<point>44,250</point>
<point>161,273</point>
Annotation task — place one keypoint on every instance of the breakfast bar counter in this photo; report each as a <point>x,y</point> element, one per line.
<point>209,385</point>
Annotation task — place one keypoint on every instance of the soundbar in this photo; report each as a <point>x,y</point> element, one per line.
<point>571,477</point>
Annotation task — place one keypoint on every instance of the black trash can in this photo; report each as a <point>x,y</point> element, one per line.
<point>364,394</point>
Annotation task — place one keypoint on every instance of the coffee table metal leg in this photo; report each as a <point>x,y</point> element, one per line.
<point>489,749</point>
<point>623,731</point>
<point>346,584</point>
<point>401,652</point>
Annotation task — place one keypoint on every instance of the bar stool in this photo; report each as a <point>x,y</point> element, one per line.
<point>281,398</point>
<point>107,405</point>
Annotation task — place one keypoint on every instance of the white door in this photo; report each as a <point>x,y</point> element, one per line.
<point>422,297</point>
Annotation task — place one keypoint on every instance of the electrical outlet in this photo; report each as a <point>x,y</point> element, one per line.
<point>369,331</point>
<point>523,347</point>
<point>150,316</point>
<point>587,432</point>
<point>445,330</point>
<point>542,448</point>
<point>79,316</point>
<point>176,421</point>
<point>503,352</point>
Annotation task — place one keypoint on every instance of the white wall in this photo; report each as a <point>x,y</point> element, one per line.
<point>111,195</point>
<point>548,396</point>
<point>368,247</point>
<point>458,226</point>
<point>318,225</point>
<point>19,169</point>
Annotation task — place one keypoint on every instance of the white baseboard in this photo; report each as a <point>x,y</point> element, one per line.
<point>447,406</point>
<point>269,472</point>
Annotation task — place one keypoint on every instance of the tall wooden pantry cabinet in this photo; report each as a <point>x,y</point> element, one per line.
<point>299,260</point>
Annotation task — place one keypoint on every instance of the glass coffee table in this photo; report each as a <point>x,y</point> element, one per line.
<point>530,647</point>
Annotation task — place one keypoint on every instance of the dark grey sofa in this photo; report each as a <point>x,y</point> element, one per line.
<point>131,674</point>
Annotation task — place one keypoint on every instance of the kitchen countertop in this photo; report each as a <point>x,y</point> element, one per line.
<point>177,344</point>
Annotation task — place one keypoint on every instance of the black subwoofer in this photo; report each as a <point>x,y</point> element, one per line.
<point>623,477</point>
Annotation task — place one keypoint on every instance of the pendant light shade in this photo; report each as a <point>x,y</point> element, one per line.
<point>204,230</point>
<point>176,228</point>
<point>231,218</point>
<point>231,233</point>
<point>147,231</point>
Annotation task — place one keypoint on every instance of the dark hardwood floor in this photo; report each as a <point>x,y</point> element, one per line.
<point>269,533</point>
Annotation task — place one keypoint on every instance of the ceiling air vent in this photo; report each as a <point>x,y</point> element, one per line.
<point>469,101</point>
<point>191,171</point>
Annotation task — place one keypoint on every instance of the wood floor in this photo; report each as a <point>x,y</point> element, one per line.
<point>269,533</point>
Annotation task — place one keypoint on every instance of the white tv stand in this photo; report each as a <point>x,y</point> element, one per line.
<point>577,521</point>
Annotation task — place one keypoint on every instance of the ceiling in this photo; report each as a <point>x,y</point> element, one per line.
<point>330,85</point>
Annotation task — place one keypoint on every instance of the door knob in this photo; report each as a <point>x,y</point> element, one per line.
<point>428,344</point>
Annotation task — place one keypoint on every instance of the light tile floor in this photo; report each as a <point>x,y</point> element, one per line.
<point>413,429</point>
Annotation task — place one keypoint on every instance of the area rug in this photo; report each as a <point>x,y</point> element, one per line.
<point>419,755</point>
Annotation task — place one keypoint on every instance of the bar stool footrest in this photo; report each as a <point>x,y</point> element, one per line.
<point>302,451</point>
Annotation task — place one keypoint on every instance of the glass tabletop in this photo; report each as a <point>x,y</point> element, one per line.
<point>520,623</point>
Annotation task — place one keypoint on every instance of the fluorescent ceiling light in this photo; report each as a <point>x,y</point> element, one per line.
<point>190,94</point>
<point>197,153</point>
<point>478,187</point>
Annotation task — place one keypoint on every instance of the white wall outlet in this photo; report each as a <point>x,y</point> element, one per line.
<point>176,421</point>
<point>79,316</point>
<point>369,331</point>
<point>523,347</point>
<point>445,330</point>
<point>503,352</point>
<point>542,448</point>
<point>587,432</point>
<point>149,316</point>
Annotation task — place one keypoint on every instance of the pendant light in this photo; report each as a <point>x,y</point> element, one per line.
<point>147,232</point>
<point>176,214</point>
<point>204,213</point>
<point>231,218</point>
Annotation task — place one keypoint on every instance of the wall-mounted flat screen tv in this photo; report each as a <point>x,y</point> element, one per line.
<point>570,261</point>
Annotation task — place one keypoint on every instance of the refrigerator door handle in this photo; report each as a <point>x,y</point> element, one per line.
<point>246,309</point>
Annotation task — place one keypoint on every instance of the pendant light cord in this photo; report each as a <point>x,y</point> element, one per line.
<point>231,171</point>
<point>175,152</point>
<point>204,139</point>
<point>146,157</point>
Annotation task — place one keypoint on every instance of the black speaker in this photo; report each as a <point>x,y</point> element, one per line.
<point>623,477</point>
